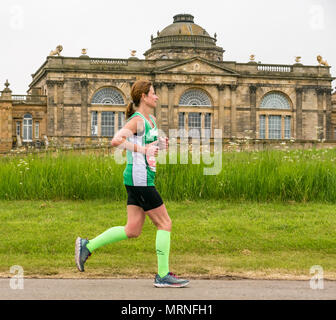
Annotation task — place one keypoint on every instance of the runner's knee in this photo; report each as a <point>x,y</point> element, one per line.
<point>165,225</point>
<point>132,232</point>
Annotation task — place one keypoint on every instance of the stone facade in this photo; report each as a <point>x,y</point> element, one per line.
<point>6,120</point>
<point>61,95</point>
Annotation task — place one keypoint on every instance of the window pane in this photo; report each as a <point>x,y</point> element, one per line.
<point>121,120</point>
<point>194,124</point>
<point>94,123</point>
<point>107,124</point>
<point>37,130</point>
<point>262,127</point>
<point>181,120</point>
<point>207,125</point>
<point>274,127</point>
<point>287,127</point>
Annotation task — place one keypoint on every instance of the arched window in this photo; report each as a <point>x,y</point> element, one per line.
<point>27,128</point>
<point>108,96</point>
<point>275,125</point>
<point>274,101</point>
<point>195,97</point>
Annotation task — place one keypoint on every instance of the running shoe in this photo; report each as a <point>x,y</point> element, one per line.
<point>170,280</point>
<point>81,253</point>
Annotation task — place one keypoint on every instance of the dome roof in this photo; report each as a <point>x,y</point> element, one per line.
<point>182,39</point>
<point>183,25</point>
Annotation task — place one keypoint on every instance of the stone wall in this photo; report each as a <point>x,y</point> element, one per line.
<point>5,125</point>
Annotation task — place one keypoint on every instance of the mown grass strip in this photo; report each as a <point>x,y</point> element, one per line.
<point>209,238</point>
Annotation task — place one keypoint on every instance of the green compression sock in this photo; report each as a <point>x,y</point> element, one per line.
<point>162,251</point>
<point>109,236</point>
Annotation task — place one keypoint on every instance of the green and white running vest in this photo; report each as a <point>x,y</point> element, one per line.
<point>140,169</point>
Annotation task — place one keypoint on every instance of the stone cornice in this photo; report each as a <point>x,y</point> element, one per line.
<point>52,83</point>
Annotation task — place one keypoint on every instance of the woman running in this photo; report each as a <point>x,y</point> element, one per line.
<point>139,137</point>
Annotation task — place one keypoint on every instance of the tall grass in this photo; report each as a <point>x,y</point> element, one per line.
<point>299,175</point>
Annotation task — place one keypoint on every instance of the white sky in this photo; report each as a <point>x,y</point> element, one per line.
<point>275,31</point>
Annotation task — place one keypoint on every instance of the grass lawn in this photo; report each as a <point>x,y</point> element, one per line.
<point>210,239</point>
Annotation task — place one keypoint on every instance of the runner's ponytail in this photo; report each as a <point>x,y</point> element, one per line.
<point>130,110</point>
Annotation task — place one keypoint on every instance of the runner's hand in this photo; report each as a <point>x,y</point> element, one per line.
<point>152,149</point>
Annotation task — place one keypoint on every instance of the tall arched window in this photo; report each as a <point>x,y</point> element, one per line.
<point>275,125</point>
<point>196,120</point>
<point>27,128</point>
<point>195,97</point>
<point>109,96</point>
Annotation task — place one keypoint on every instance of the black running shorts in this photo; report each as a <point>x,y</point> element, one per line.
<point>145,197</point>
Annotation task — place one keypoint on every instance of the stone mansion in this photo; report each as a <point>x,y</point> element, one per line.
<point>79,100</point>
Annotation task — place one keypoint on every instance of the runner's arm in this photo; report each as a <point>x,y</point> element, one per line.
<point>130,128</point>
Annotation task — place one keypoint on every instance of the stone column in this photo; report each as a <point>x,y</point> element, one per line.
<point>50,108</point>
<point>84,125</point>
<point>253,112</point>
<point>299,113</point>
<point>60,108</point>
<point>220,119</point>
<point>157,113</point>
<point>233,111</point>
<point>164,116</point>
<point>171,113</point>
<point>227,104</point>
<point>329,133</point>
<point>320,93</point>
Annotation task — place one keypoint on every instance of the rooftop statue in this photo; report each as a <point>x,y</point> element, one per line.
<point>321,61</point>
<point>57,51</point>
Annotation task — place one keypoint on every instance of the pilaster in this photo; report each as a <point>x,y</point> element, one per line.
<point>233,111</point>
<point>299,113</point>
<point>253,114</point>
<point>84,108</point>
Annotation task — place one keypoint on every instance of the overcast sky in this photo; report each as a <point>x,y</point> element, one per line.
<point>275,31</point>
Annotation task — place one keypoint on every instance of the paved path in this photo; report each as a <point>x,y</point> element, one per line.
<point>142,289</point>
